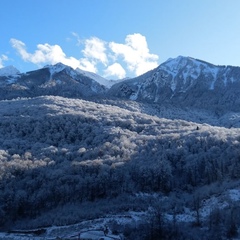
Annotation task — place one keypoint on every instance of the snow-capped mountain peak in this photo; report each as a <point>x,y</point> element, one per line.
<point>8,71</point>
<point>176,64</point>
<point>184,72</point>
<point>183,80</point>
<point>177,59</point>
<point>56,68</point>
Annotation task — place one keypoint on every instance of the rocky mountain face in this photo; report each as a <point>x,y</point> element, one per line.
<point>58,80</point>
<point>185,81</point>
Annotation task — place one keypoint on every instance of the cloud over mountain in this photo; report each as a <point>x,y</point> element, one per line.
<point>47,53</point>
<point>95,49</point>
<point>113,60</point>
<point>135,53</point>
<point>115,69</point>
<point>2,59</point>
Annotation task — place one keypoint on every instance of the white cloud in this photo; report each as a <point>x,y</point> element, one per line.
<point>3,58</point>
<point>95,49</point>
<point>115,70</point>
<point>52,54</point>
<point>135,53</point>
<point>20,47</point>
<point>87,65</point>
<point>79,40</point>
<point>96,54</point>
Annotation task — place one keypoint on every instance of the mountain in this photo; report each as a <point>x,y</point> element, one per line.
<point>181,88</point>
<point>57,79</point>
<point>8,71</point>
<point>180,82</point>
<point>103,81</point>
<point>185,81</point>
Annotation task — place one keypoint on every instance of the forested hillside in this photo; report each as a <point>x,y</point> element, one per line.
<point>63,160</point>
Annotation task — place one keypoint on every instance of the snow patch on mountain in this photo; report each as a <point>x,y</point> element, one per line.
<point>53,69</point>
<point>212,71</point>
<point>103,81</point>
<point>12,80</point>
<point>189,68</point>
<point>134,95</point>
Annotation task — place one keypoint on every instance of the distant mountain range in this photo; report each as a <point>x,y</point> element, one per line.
<point>182,81</point>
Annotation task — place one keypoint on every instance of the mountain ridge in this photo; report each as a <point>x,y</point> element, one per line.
<point>181,81</point>
<point>57,79</point>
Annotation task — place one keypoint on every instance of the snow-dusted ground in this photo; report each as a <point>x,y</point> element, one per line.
<point>94,228</point>
<point>88,229</point>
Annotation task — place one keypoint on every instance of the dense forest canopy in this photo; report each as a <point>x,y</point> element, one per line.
<point>56,151</point>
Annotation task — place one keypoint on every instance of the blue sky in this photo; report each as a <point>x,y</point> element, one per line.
<point>117,38</point>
